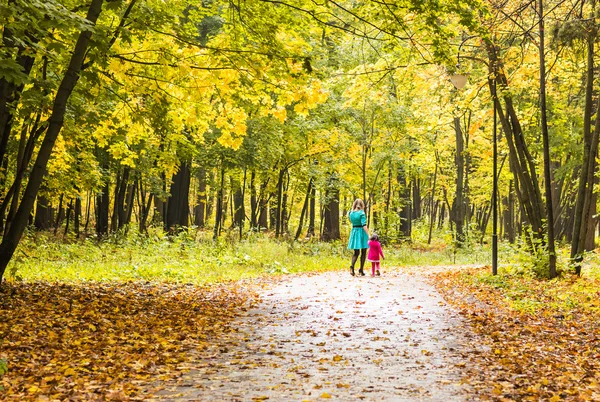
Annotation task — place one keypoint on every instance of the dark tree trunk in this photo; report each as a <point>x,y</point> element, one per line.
<point>178,203</point>
<point>546,140</point>
<point>200,208</point>
<point>585,204</point>
<point>278,214</point>
<point>263,208</point>
<point>253,202</point>
<point>129,200</point>
<point>239,213</point>
<point>124,196</point>
<point>219,207</point>
<point>331,211</point>
<point>44,214</point>
<point>77,217</point>
<point>61,214</point>
<point>68,217</point>
<point>417,203</point>
<point>458,206</point>
<point>102,209</point>
<point>304,209</point>
<point>432,215</point>
<point>406,204</point>
<point>509,215</point>
<point>312,212</point>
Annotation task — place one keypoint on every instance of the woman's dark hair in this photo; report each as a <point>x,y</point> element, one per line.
<point>374,237</point>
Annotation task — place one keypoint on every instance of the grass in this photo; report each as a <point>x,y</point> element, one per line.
<point>194,258</point>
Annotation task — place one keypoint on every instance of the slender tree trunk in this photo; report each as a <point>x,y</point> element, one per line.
<point>546,140</point>
<point>68,217</point>
<point>458,206</point>
<point>219,208</point>
<point>253,202</point>
<point>200,209</point>
<point>583,206</point>
<point>279,202</point>
<point>521,162</point>
<point>312,212</point>
<point>61,214</point>
<point>304,209</point>
<point>432,215</point>
<point>406,204</point>
<point>77,217</point>
<point>12,238</point>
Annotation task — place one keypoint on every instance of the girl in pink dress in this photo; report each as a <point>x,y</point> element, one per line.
<point>374,252</point>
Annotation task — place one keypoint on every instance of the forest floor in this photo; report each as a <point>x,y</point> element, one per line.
<point>414,334</point>
<point>321,336</point>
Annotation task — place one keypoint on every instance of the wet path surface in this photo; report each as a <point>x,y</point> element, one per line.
<point>331,336</point>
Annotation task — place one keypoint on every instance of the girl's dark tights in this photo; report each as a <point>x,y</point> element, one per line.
<point>363,257</point>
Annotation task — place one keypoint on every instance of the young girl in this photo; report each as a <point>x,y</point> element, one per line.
<point>374,252</point>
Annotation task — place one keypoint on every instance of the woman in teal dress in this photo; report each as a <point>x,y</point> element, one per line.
<point>359,236</point>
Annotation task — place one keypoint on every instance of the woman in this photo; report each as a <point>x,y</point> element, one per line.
<point>359,236</point>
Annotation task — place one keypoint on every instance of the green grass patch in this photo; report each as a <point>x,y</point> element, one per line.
<point>193,257</point>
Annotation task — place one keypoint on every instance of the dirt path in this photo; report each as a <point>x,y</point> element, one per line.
<point>388,338</point>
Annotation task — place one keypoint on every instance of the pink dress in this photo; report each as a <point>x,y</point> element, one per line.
<point>375,251</point>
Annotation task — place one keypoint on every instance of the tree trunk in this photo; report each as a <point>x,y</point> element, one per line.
<point>583,206</point>
<point>77,217</point>
<point>56,120</point>
<point>178,202</point>
<point>521,162</point>
<point>304,209</point>
<point>239,213</point>
<point>200,208</point>
<point>102,208</point>
<point>546,141</point>
<point>417,202</point>
<point>312,212</point>
<point>432,215</point>
<point>405,213</point>
<point>253,202</point>
<point>219,208</point>
<point>279,202</point>
<point>44,214</point>
<point>458,206</point>
<point>331,212</point>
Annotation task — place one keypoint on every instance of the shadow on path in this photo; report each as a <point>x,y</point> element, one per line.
<point>388,338</point>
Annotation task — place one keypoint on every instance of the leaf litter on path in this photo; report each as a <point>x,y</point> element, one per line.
<point>106,341</point>
<point>323,336</point>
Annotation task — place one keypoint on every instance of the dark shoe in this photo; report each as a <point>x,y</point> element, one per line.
<point>361,272</point>
<point>377,273</point>
<point>352,271</point>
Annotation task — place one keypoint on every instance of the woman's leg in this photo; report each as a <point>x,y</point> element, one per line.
<point>354,258</point>
<point>363,258</point>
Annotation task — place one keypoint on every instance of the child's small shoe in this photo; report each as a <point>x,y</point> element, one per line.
<point>377,273</point>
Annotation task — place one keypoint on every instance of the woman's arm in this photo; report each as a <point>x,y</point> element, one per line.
<point>363,221</point>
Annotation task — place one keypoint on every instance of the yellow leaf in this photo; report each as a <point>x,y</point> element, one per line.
<point>325,395</point>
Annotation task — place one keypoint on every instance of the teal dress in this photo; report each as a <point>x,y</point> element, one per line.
<point>358,237</point>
